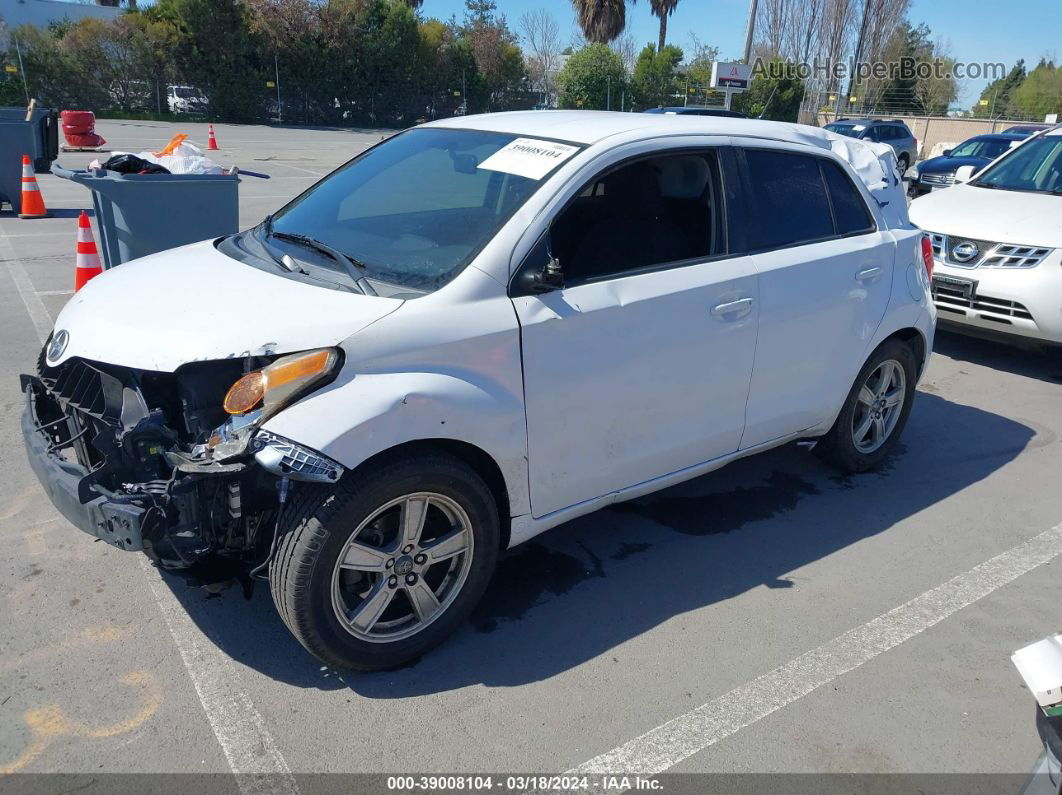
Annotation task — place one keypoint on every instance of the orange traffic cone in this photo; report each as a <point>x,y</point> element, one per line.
<point>88,259</point>
<point>212,142</point>
<point>32,201</point>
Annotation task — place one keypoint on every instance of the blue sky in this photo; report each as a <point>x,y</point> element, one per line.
<point>974,30</point>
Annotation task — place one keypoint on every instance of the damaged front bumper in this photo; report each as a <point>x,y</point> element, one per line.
<point>121,471</point>
<point>118,522</point>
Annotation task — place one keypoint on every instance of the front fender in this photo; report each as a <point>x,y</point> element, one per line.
<point>369,413</point>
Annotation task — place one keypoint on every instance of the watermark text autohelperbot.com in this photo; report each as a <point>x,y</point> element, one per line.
<point>900,69</point>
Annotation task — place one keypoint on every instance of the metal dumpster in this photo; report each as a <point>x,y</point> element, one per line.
<point>141,214</point>
<point>16,139</point>
<point>45,123</point>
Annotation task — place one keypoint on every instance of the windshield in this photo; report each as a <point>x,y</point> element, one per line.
<point>987,149</point>
<point>1034,166</point>
<point>187,93</point>
<point>849,130</point>
<point>417,208</point>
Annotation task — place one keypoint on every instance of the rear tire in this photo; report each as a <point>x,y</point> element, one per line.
<point>905,163</point>
<point>875,412</point>
<point>388,565</point>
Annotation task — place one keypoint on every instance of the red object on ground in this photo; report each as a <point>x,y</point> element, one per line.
<point>212,142</point>
<point>79,129</point>
<point>87,264</point>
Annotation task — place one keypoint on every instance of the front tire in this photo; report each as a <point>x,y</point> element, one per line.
<point>390,564</point>
<point>875,412</point>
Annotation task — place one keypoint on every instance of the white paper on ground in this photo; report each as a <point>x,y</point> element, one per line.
<point>529,157</point>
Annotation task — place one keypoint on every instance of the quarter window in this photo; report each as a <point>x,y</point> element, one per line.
<point>849,209</point>
<point>788,203</point>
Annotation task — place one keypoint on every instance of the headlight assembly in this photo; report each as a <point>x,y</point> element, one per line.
<point>273,387</point>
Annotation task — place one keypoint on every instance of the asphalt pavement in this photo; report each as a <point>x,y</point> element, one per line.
<point>770,617</point>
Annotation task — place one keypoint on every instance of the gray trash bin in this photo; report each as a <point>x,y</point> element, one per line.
<point>16,139</point>
<point>45,122</point>
<point>141,214</point>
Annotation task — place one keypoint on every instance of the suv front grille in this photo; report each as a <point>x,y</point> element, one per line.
<point>989,253</point>
<point>937,179</point>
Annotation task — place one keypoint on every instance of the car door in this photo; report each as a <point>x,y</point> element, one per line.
<point>639,365</point>
<point>825,276</point>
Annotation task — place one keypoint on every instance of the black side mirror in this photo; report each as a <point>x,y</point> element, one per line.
<point>947,152</point>
<point>549,278</point>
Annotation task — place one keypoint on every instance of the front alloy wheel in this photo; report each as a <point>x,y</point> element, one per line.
<point>390,563</point>
<point>402,567</point>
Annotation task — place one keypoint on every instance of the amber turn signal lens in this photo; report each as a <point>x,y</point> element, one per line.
<point>245,394</point>
<point>284,372</point>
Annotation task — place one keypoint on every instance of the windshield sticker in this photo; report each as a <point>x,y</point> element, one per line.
<point>529,157</point>
<point>858,127</point>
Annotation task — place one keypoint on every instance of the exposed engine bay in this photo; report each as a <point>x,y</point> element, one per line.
<point>152,461</point>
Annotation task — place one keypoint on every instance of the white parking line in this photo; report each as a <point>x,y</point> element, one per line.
<point>667,745</point>
<point>249,748</point>
<point>42,321</point>
<point>252,753</point>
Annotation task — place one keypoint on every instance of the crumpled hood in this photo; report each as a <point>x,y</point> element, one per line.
<point>194,303</point>
<point>1003,216</point>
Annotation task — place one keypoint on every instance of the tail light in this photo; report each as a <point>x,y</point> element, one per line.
<point>927,255</point>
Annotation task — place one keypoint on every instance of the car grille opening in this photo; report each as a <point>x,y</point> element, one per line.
<point>937,179</point>
<point>990,254</point>
<point>983,307</point>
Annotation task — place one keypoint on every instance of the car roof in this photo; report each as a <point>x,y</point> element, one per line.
<point>1000,136</point>
<point>894,122</point>
<point>592,126</point>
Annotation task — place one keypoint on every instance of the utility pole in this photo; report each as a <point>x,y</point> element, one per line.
<point>608,93</point>
<point>858,51</point>
<point>276,71</point>
<point>750,30</point>
<point>22,69</point>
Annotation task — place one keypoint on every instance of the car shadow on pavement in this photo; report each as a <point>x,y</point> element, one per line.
<point>585,587</point>
<point>1020,357</point>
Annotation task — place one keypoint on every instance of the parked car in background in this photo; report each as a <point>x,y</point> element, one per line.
<point>939,172</point>
<point>570,309</point>
<point>997,244</point>
<point>186,99</point>
<point>1026,130</point>
<point>683,111</point>
<point>894,133</point>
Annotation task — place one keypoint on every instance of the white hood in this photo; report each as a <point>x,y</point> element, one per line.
<point>1002,216</point>
<point>194,303</point>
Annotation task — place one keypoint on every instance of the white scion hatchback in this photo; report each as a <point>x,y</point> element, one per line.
<point>473,332</point>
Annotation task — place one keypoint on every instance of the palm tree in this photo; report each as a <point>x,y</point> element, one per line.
<point>601,20</point>
<point>663,9</point>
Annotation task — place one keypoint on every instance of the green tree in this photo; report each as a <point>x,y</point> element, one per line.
<point>592,78</point>
<point>997,94</point>
<point>217,52</point>
<point>776,93</point>
<point>655,81</point>
<point>1040,93</point>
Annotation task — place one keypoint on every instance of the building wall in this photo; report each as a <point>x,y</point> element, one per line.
<point>42,12</point>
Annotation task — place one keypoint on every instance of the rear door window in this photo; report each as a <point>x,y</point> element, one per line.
<point>788,203</point>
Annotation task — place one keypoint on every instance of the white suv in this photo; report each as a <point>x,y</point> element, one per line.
<point>473,332</point>
<point>997,242</point>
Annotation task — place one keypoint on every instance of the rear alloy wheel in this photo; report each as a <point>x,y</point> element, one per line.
<point>389,564</point>
<point>875,411</point>
<point>905,164</point>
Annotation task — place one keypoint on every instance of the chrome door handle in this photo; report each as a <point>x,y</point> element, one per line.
<point>868,273</point>
<point>742,305</point>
